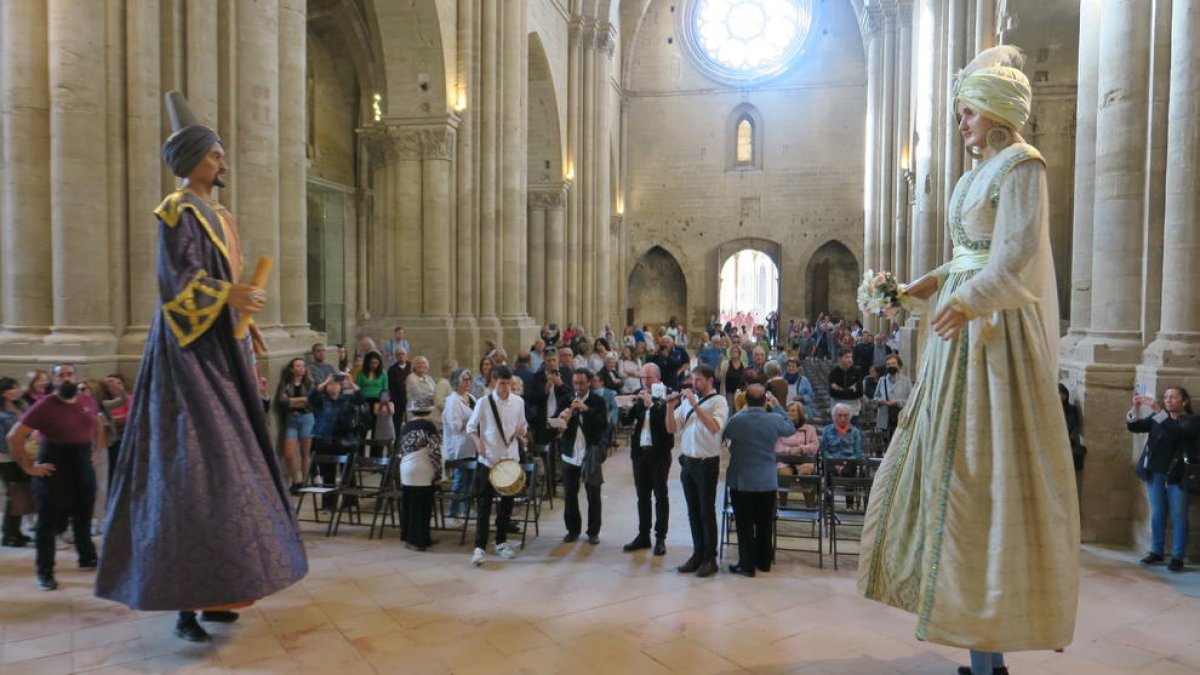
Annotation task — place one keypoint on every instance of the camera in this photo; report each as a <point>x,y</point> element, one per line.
<point>339,378</point>
<point>658,390</point>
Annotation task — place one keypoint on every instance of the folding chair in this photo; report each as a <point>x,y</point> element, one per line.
<point>355,488</point>
<point>314,484</point>
<point>847,481</point>
<point>803,488</point>
<point>530,500</point>
<point>727,529</point>
<point>388,499</point>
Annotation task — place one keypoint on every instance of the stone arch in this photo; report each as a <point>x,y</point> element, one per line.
<point>657,288</point>
<point>545,131</point>
<point>772,249</point>
<point>832,278</point>
<point>545,246</point>
<point>410,39</point>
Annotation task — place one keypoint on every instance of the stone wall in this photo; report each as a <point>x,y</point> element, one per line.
<point>682,192</point>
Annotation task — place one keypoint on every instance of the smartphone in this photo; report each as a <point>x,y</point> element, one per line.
<point>1140,389</point>
<point>385,397</point>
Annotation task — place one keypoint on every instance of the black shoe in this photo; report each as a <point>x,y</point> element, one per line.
<point>707,568</point>
<point>569,538</point>
<point>294,489</point>
<point>744,571</point>
<point>764,567</point>
<point>218,616</point>
<point>966,670</point>
<point>15,542</point>
<point>513,529</point>
<point>90,564</point>
<point>1153,559</point>
<point>593,540</point>
<point>692,564</point>
<point>660,547</point>
<point>46,581</point>
<point>637,544</point>
<point>189,629</point>
<point>1176,565</point>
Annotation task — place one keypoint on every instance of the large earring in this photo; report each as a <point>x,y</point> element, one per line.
<point>999,137</point>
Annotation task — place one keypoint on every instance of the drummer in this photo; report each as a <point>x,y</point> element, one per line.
<point>496,423</point>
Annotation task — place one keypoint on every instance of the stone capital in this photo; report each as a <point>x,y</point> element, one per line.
<point>549,196</point>
<point>606,38</point>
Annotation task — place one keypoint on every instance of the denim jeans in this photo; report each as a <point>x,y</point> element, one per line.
<point>1163,497</point>
<point>460,487</point>
<point>983,663</point>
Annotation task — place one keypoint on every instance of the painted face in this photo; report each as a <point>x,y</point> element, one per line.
<point>972,125</point>
<point>213,169</point>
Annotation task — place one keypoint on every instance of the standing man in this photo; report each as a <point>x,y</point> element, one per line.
<point>891,393</point>
<point>671,361</point>
<point>650,447</point>
<point>753,478</point>
<point>393,346</point>
<point>318,367</point>
<point>699,421</point>
<point>496,423</point>
<point>198,515</point>
<point>398,374</point>
<point>549,385</point>
<point>583,451</point>
<point>64,481</point>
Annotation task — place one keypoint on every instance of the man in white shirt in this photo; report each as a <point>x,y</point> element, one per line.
<point>699,421</point>
<point>496,423</point>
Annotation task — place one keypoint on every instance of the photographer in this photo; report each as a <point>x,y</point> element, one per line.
<point>672,361</point>
<point>549,385</point>
<point>338,424</point>
<point>1173,432</point>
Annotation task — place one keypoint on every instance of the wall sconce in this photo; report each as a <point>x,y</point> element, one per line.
<point>461,104</point>
<point>620,207</point>
<point>377,107</point>
<point>569,174</point>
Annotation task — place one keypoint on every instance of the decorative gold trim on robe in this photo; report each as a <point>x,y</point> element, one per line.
<point>192,312</point>
<point>171,209</point>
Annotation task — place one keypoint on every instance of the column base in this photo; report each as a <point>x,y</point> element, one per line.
<point>1177,351</point>
<point>466,351</point>
<point>1112,347</point>
<point>518,332</point>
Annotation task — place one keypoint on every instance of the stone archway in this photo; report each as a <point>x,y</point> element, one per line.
<point>832,281</point>
<point>657,289</point>
<point>546,241</point>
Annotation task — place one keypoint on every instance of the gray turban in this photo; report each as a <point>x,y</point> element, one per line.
<point>185,148</point>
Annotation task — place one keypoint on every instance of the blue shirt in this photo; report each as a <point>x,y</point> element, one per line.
<point>803,389</point>
<point>834,446</point>
<point>752,434</point>
<point>326,410</point>
<point>710,356</point>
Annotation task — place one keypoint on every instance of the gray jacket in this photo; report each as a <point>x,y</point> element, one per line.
<point>752,434</point>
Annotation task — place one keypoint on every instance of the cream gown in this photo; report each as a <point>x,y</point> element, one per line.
<point>973,522</point>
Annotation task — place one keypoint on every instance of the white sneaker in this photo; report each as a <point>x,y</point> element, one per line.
<point>451,521</point>
<point>477,557</point>
<point>505,551</point>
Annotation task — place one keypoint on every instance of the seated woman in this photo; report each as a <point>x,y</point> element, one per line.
<point>420,470</point>
<point>841,440</point>
<point>808,444</point>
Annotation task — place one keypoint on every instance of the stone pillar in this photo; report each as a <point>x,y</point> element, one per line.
<point>536,255</point>
<point>1121,127</point>
<point>1085,172</point>
<point>25,252</point>
<point>587,182</point>
<point>1156,171</point>
<point>437,147</point>
<point>556,257</point>
<point>466,268</point>
<point>78,184</point>
<point>143,182</point>
<point>293,203</point>
<point>255,171</point>
<point>886,170</point>
<point>871,35</point>
<point>489,115</point>
<point>601,170</point>
<point>574,285</point>
<point>407,246</point>
<point>1177,345</point>
<point>903,150</point>
<point>514,45</point>
<point>956,57</point>
<point>200,68</point>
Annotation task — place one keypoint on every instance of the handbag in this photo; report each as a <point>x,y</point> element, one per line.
<point>1191,475</point>
<point>1142,468</point>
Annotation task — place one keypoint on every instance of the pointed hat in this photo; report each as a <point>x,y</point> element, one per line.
<point>190,142</point>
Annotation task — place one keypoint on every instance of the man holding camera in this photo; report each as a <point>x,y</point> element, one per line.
<point>699,420</point>
<point>671,360</point>
<point>650,447</point>
<point>550,384</point>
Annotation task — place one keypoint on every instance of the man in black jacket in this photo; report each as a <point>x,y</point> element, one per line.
<point>550,383</point>
<point>583,451</point>
<point>650,449</point>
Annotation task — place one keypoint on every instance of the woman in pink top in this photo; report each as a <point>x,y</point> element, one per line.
<point>804,442</point>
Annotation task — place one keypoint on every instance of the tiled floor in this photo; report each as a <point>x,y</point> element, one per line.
<point>376,607</point>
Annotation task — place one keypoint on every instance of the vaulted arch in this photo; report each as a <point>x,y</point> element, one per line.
<point>657,289</point>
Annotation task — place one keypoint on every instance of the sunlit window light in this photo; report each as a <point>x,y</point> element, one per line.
<point>750,38</point>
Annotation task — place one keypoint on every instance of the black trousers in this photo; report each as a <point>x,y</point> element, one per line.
<point>754,516</point>
<point>12,475</point>
<point>699,480</point>
<point>650,470</point>
<point>572,518</point>
<point>68,493</point>
<point>417,509</point>
<point>484,492</point>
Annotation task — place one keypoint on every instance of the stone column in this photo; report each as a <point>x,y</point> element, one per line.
<point>437,147</point>
<point>886,140</point>
<point>556,256</point>
<point>255,171</point>
<point>489,116</point>
<point>466,271</point>
<point>903,151</point>
<point>1085,172</point>
<point>79,188</point>
<point>200,68</point>
<point>952,147</point>
<point>587,181</point>
<point>25,252</point>
<point>871,35</point>
<point>602,167</point>
<point>574,286</point>
<point>293,203</point>
<point>1178,342</point>
<point>536,255</point>
<point>925,156</point>
<point>514,44</point>
<point>407,246</point>
<point>143,182</point>
<point>1121,127</point>
<point>1156,170</point>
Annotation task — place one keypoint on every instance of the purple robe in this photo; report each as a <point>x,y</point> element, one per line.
<point>198,515</point>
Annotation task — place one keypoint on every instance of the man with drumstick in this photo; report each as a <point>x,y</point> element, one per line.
<point>496,423</point>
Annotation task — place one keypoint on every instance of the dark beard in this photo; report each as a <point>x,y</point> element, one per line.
<point>218,182</point>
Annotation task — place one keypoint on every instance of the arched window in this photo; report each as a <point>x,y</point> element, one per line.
<point>744,131</point>
<point>745,142</point>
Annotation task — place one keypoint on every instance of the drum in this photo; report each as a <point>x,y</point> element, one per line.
<point>507,477</point>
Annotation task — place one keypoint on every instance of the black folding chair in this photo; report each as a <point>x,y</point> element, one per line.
<point>848,483</point>
<point>801,504</point>
<point>314,484</point>
<point>356,487</point>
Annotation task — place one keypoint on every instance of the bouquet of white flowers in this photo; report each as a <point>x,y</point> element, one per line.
<point>879,293</point>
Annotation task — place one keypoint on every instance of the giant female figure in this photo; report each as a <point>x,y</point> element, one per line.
<point>973,522</point>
